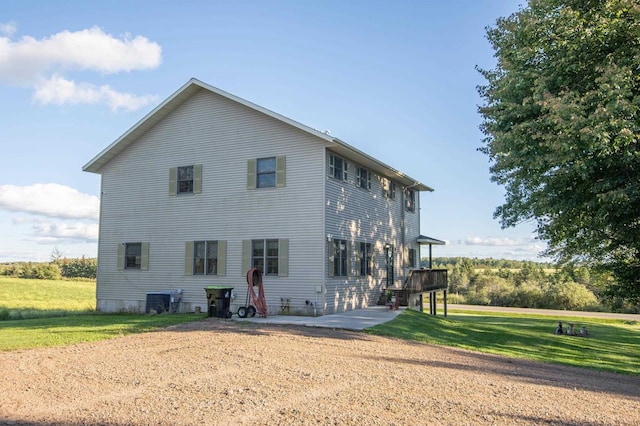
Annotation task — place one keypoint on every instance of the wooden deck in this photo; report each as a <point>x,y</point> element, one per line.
<point>420,281</point>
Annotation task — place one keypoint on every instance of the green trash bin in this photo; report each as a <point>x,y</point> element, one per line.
<point>219,301</point>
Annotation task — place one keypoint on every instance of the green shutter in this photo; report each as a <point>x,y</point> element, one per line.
<point>197,178</point>
<point>144,261</point>
<point>281,171</point>
<point>332,256</point>
<point>173,181</point>
<point>251,173</point>
<point>283,258</point>
<point>349,259</point>
<point>246,257</point>
<point>188,258</point>
<point>120,256</point>
<point>222,258</point>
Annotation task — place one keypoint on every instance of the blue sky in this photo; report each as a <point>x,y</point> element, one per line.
<point>395,79</point>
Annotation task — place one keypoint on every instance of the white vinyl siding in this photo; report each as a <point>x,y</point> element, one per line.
<point>221,135</point>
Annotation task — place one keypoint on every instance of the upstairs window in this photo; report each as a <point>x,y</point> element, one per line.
<point>410,200</point>
<point>337,167</point>
<point>266,172</point>
<point>185,179</point>
<point>269,172</point>
<point>389,189</point>
<point>363,178</point>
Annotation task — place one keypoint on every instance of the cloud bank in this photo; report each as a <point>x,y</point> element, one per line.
<point>51,200</point>
<point>56,213</point>
<point>42,64</point>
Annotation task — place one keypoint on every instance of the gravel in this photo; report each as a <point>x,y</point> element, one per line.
<point>223,372</point>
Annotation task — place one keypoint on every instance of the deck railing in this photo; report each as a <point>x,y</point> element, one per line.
<point>423,280</point>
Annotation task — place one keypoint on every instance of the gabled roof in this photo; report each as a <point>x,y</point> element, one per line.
<point>193,86</point>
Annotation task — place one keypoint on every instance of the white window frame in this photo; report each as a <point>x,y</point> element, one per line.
<point>410,200</point>
<point>335,171</point>
<point>363,178</point>
<point>202,264</point>
<point>263,257</point>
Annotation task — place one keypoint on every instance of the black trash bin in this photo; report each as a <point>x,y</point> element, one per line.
<point>219,301</point>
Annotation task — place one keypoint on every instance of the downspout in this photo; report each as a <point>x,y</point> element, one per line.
<point>403,206</point>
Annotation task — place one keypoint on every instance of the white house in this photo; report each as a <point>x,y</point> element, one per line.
<point>208,185</point>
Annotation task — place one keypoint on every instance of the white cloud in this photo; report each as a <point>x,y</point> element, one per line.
<point>42,63</point>
<point>51,200</point>
<point>7,28</point>
<point>497,241</point>
<point>52,233</point>
<point>58,90</point>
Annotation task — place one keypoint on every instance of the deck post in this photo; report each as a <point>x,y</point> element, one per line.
<point>445,302</point>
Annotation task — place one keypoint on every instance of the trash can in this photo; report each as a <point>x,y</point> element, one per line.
<point>219,301</point>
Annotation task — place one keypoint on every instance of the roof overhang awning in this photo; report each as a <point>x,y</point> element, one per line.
<point>429,241</point>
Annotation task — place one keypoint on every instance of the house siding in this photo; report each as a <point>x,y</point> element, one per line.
<point>359,215</point>
<point>221,135</point>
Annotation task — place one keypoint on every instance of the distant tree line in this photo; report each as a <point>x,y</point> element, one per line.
<point>56,269</point>
<point>500,282</point>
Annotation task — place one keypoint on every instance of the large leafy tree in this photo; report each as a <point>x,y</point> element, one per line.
<point>561,120</point>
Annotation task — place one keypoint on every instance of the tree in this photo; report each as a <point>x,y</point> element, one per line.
<point>561,123</point>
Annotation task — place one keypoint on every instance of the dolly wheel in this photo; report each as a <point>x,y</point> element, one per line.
<point>251,311</point>
<point>242,312</point>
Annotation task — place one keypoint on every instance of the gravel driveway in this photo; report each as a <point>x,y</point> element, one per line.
<point>224,372</point>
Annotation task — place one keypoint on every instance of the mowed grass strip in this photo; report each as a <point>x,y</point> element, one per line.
<point>612,345</point>
<point>60,331</point>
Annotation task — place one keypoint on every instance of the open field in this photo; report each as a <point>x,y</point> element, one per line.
<point>29,298</point>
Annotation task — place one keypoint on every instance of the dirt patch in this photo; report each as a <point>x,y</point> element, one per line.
<point>223,372</point>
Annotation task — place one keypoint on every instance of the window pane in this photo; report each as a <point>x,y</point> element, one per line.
<point>257,248</point>
<point>185,173</point>
<point>266,180</point>
<point>133,255</point>
<point>267,165</point>
<point>212,249</point>
<point>185,179</point>
<point>212,266</point>
<point>272,248</point>
<point>198,267</point>
<point>258,262</point>
<point>198,249</point>
<point>272,266</point>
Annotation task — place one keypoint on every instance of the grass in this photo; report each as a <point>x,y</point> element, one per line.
<point>51,313</point>
<point>613,345</point>
<point>26,298</point>
<point>60,331</point>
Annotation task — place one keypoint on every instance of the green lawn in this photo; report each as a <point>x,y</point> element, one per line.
<point>612,345</point>
<point>39,313</point>
<point>60,331</point>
